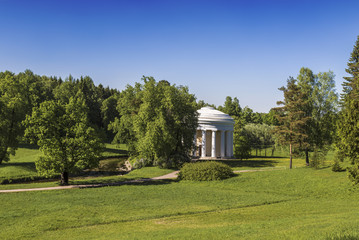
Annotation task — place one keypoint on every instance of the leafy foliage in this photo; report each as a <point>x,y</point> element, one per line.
<point>64,135</point>
<point>241,141</point>
<point>336,167</point>
<point>13,108</point>
<point>158,121</point>
<point>205,171</point>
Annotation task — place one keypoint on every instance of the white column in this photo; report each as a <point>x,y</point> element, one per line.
<point>223,151</point>
<point>213,144</point>
<point>195,144</point>
<point>228,144</point>
<point>203,143</point>
<point>231,145</point>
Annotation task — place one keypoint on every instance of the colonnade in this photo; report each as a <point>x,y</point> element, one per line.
<point>226,144</point>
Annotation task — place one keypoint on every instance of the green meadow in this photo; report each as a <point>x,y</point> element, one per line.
<point>298,203</point>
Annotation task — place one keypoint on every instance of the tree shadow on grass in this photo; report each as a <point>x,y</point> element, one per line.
<point>28,146</point>
<point>120,152</point>
<point>112,182</point>
<point>250,163</point>
<point>28,166</point>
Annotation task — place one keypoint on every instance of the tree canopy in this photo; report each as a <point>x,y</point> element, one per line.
<point>158,122</point>
<point>348,124</point>
<point>292,117</point>
<point>65,137</point>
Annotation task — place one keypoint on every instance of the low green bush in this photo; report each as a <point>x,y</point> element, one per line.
<point>205,171</point>
<point>336,167</point>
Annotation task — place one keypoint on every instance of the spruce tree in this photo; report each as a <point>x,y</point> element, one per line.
<point>348,124</point>
<point>292,118</point>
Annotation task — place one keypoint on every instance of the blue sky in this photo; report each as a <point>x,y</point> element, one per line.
<point>244,49</point>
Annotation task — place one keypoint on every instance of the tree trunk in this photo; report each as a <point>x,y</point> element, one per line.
<point>290,154</point>
<point>256,152</point>
<point>273,149</point>
<point>3,154</point>
<point>265,152</point>
<point>306,156</point>
<point>64,178</point>
<point>9,136</point>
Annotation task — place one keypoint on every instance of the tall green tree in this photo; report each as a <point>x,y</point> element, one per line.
<point>306,81</point>
<point>324,111</point>
<point>321,108</point>
<point>128,107</point>
<point>158,121</point>
<point>292,118</point>
<point>13,108</point>
<point>109,113</point>
<point>241,140</point>
<point>348,123</point>
<point>66,140</point>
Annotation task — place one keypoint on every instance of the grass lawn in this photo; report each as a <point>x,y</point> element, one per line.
<point>300,203</point>
<point>23,163</point>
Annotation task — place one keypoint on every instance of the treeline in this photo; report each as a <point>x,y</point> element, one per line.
<point>64,108</point>
<point>71,119</point>
<point>306,120</point>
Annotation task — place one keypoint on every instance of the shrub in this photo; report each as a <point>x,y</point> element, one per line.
<point>336,167</point>
<point>205,171</point>
<point>317,158</point>
<point>353,174</point>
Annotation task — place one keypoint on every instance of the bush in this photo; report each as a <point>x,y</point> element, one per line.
<point>336,167</point>
<point>317,158</point>
<point>205,171</point>
<point>353,174</point>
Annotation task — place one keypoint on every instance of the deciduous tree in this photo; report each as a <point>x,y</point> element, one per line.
<point>158,121</point>
<point>13,108</point>
<point>64,135</point>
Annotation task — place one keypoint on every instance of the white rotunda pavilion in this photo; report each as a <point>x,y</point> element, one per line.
<point>214,135</point>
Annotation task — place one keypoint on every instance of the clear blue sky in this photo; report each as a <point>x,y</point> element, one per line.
<point>245,49</point>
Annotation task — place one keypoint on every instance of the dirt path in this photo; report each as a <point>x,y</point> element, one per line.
<point>171,175</point>
<point>167,176</point>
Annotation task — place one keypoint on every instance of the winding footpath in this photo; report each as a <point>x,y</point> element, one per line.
<point>171,175</point>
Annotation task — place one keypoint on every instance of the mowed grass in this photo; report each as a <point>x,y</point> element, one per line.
<point>300,203</point>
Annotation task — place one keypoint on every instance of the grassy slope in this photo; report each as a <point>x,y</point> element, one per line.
<point>288,204</point>
<point>22,164</point>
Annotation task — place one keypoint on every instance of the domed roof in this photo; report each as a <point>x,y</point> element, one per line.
<point>211,115</point>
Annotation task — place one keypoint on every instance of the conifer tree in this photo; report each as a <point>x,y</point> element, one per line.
<point>348,124</point>
<point>292,118</point>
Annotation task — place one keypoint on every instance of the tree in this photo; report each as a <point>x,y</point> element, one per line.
<point>321,108</point>
<point>348,124</point>
<point>201,104</point>
<point>231,107</point>
<point>241,143</point>
<point>259,136</point>
<point>64,135</point>
<point>158,121</point>
<point>270,118</point>
<point>324,110</point>
<point>292,118</point>
<point>13,108</point>
<point>306,81</point>
<point>109,113</point>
